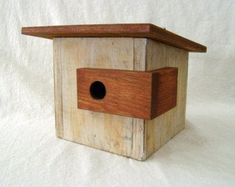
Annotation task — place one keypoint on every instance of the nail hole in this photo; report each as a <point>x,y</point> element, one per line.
<point>97,90</point>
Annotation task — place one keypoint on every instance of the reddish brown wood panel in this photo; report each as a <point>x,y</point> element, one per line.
<point>115,30</point>
<point>164,90</point>
<point>128,93</point>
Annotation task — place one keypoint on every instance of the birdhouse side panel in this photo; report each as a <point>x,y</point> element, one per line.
<point>164,127</point>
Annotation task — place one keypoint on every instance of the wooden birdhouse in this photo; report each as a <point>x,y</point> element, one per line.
<point>119,88</point>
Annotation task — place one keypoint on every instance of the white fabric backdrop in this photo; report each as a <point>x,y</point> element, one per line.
<point>201,155</point>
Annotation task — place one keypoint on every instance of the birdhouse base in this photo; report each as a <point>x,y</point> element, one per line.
<point>128,136</point>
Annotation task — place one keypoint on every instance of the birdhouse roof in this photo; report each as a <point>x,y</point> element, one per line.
<point>116,30</point>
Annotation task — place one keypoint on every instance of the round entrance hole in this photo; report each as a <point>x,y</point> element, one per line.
<point>97,90</point>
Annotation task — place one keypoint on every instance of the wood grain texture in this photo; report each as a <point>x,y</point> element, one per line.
<point>127,136</point>
<point>113,133</point>
<point>161,129</point>
<point>115,30</point>
<point>57,66</point>
<point>139,94</point>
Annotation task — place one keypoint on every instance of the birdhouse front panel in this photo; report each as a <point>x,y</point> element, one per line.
<point>119,88</point>
<point>113,133</point>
